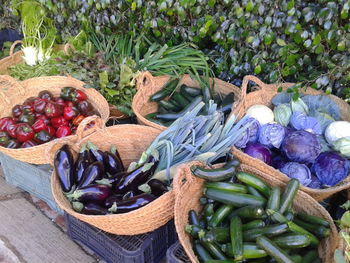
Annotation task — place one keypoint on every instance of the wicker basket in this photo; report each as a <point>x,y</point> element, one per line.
<point>130,140</point>
<point>263,95</point>
<point>188,189</point>
<point>13,92</point>
<point>147,85</point>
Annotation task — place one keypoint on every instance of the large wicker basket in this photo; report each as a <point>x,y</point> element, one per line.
<point>13,92</point>
<point>130,140</point>
<point>263,95</point>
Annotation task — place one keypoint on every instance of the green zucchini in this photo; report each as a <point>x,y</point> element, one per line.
<point>249,212</point>
<point>253,224</point>
<point>235,199</point>
<point>195,230</point>
<point>213,175</point>
<point>298,229</point>
<point>250,250</point>
<point>229,187</point>
<point>217,234</point>
<point>201,252</point>
<point>289,215</point>
<point>254,182</point>
<point>208,212</point>
<point>313,219</point>
<point>292,240</point>
<point>296,258</point>
<point>288,195</point>
<point>168,105</point>
<point>166,90</point>
<point>162,110</point>
<point>310,257</point>
<point>151,115</point>
<point>273,250</point>
<point>214,250</point>
<point>220,214</point>
<point>255,192</point>
<point>159,122</point>
<point>190,91</point>
<point>274,199</point>
<point>180,99</point>
<point>193,218</point>
<point>270,231</point>
<point>236,237</point>
<point>318,230</point>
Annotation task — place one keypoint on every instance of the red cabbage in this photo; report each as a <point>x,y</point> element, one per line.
<point>259,151</point>
<point>251,135</point>
<point>297,171</point>
<point>300,121</point>
<point>271,135</point>
<point>315,183</point>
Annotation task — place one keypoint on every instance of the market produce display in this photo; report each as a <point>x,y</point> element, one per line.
<point>303,138</point>
<point>245,220</point>
<point>45,117</point>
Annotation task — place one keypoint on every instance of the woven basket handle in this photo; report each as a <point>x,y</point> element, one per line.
<point>184,178</point>
<point>144,80</point>
<point>260,85</point>
<point>13,46</point>
<point>83,131</point>
<point>9,85</point>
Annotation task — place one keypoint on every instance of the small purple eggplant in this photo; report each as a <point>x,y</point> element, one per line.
<point>97,155</point>
<point>83,161</point>
<point>112,163</point>
<point>94,209</point>
<point>64,165</point>
<point>112,199</point>
<point>96,193</point>
<point>131,194</point>
<point>93,172</point>
<point>131,204</point>
<point>157,187</point>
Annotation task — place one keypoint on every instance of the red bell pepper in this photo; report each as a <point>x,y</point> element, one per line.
<point>70,112</point>
<point>63,131</point>
<point>39,105</point>
<point>47,95</point>
<point>44,118</point>
<point>78,95</point>
<point>5,122</point>
<point>53,110</point>
<point>77,120</point>
<point>13,144</point>
<point>42,137</point>
<point>66,93</point>
<point>4,138</point>
<point>27,109</point>
<point>70,103</point>
<point>17,110</point>
<point>28,144</point>
<point>27,118</point>
<point>60,101</point>
<point>11,130</point>
<point>39,125</point>
<point>58,122</point>
<point>24,132</point>
<point>51,130</point>
<point>29,101</point>
<point>84,106</point>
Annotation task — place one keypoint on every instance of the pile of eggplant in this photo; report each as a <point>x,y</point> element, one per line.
<point>98,184</point>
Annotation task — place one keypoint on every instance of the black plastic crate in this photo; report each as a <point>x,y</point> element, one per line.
<point>176,254</point>
<point>146,248</point>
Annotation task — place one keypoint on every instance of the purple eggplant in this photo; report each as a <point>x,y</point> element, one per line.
<point>131,194</point>
<point>157,187</point>
<point>64,166</point>
<point>96,193</point>
<point>83,161</point>
<point>131,204</point>
<point>132,180</point>
<point>112,199</point>
<point>94,209</point>
<point>93,172</point>
<point>96,154</point>
<point>112,163</point>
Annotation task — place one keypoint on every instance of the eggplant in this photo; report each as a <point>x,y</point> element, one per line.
<point>93,172</point>
<point>116,153</point>
<point>83,161</point>
<point>64,166</point>
<point>131,194</point>
<point>94,209</point>
<point>132,180</point>
<point>157,187</point>
<point>112,163</point>
<point>95,192</point>
<point>112,199</point>
<point>131,204</point>
<point>97,155</point>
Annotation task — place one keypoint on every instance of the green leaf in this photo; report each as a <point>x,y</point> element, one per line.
<point>249,6</point>
<point>346,205</point>
<point>317,40</point>
<point>257,69</point>
<point>281,42</point>
<point>345,219</point>
<point>341,45</point>
<point>211,3</point>
<point>307,43</point>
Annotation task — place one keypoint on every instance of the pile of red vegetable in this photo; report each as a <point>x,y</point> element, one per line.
<point>97,183</point>
<point>44,118</point>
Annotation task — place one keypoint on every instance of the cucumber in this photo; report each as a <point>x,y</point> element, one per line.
<point>250,250</point>
<point>217,234</point>
<point>229,187</point>
<point>208,212</point>
<point>270,231</point>
<point>190,91</point>
<point>220,214</point>
<point>255,192</point>
<point>195,230</point>
<point>274,199</point>
<point>166,90</point>
<point>289,215</point>
<point>193,218</point>
<point>236,237</point>
<point>296,258</point>
<point>180,99</point>
<point>214,250</point>
<point>310,257</point>
<point>319,231</point>
<point>313,219</point>
<point>276,216</point>
<point>288,195</point>
<point>213,175</point>
<point>292,240</point>
<point>235,199</point>
<point>298,229</point>
<point>249,212</point>
<point>273,250</point>
<point>201,252</point>
<point>253,224</point>
<point>254,182</point>
<point>168,106</point>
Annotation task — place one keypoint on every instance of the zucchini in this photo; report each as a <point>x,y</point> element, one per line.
<point>195,230</point>
<point>190,91</point>
<point>319,231</point>
<point>168,105</point>
<point>235,199</point>
<point>255,192</point>
<point>161,110</point>
<point>253,224</point>
<point>310,257</point>
<point>220,214</point>
<point>292,240</point>
<point>208,212</point>
<point>296,258</point>
<point>249,212</point>
<point>270,231</point>
<point>236,237</point>
<point>229,187</point>
<point>273,250</point>
<point>201,252</point>
<point>255,182</point>
<point>298,229</point>
<point>150,115</point>
<point>166,90</point>
<point>250,251</point>
<point>213,175</point>
<point>288,195</point>
<point>313,219</point>
<point>159,122</point>
<point>274,199</point>
<point>180,99</point>
<point>214,250</point>
<point>289,215</point>
<point>193,218</point>
<point>217,234</point>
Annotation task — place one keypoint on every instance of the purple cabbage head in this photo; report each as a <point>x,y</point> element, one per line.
<point>315,183</point>
<point>271,135</point>
<point>300,121</point>
<point>330,168</point>
<point>298,171</point>
<point>278,161</point>
<point>301,146</point>
<point>259,151</point>
<point>251,135</point>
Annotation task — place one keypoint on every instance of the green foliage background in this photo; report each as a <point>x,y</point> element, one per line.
<point>296,40</point>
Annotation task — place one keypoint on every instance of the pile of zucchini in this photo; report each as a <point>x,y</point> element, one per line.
<point>175,100</point>
<point>245,220</point>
